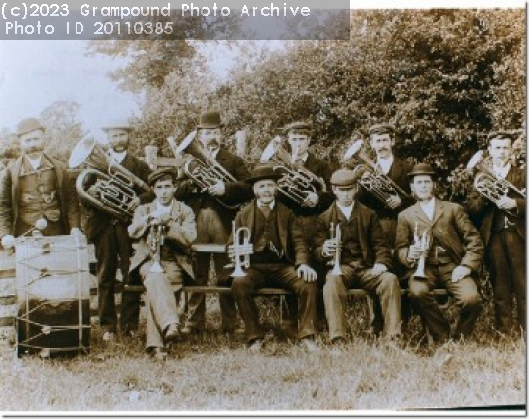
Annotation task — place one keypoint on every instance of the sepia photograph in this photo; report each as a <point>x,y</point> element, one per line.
<point>272,208</point>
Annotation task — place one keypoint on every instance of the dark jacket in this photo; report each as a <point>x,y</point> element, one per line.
<point>374,245</point>
<point>291,238</point>
<point>451,226</point>
<point>9,196</point>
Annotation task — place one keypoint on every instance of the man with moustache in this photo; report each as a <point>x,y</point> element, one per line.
<point>214,221</point>
<point>112,243</point>
<point>279,257</point>
<point>503,230</point>
<point>36,186</point>
<point>453,258</point>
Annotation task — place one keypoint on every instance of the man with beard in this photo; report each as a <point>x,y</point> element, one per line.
<point>452,259</point>
<point>279,257</point>
<point>36,186</point>
<point>112,243</point>
<point>214,221</point>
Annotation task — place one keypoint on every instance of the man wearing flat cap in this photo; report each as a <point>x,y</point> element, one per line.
<point>441,235</point>
<point>349,237</point>
<point>36,186</point>
<point>112,244</point>
<point>279,257</point>
<point>165,230</point>
<point>214,220</point>
<point>503,229</point>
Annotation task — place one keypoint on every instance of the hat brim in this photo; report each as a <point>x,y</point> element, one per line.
<point>202,126</point>
<point>254,179</point>
<point>413,174</point>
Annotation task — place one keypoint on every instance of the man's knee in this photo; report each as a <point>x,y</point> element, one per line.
<point>417,290</point>
<point>471,300</point>
<point>389,283</point>
<point>241,286</point>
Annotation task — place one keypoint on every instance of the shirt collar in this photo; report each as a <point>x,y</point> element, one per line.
<point>502,171</point>
<point>386,163</point>
<point>346,211</point>
<point>301,158</point>
<point>35,163</point>
<point>164,209</point>
<point>213,153</point>
<point>271,205</point>
<point>118,156</point>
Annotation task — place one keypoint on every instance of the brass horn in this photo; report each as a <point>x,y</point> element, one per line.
<point>114,187</point>
<point>241,237</point>
<point>336,235</point>
<point>200,167</point>
<point>487,183</point>
<point>295,182</point>
<point>423,243</point>
<point>379,185</point>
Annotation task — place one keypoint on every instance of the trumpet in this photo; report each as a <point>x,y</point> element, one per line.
<point>487,183</point>
<point>241,238</point>
<point>336,235</point>
<point>200,167</point>
<point>423,243</point>
<point>379,185</point>
<point>295,182</point>
<point>155,240</point>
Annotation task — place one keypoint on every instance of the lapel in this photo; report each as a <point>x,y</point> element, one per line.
<point>438,211</point>
<point>395,169</point>
<point>420,214</point>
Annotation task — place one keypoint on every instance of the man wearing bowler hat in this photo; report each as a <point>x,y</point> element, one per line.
<point>440,235</point>
<point>360,258</point>
<point>165,230</point>
<point>112,243</point>
<point>214,220</point>
<point>36,186</point>
<point>279,257</point>
<point>503,229</point>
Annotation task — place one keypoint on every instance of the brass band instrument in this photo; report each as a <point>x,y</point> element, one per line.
<point>423,243</point>
<point>295,182</point>
<point>155,240</point>
<point>241,237</point>
<point>115,185</point>
<point>487,183</point>
<point>336,235</point>
<point>204,171</point>
<point>378,184</point>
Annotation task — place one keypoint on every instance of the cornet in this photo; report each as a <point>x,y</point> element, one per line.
<point>423,243</point>
<point>241,238</point>
<point>155,240</point>
<point>336,235</point>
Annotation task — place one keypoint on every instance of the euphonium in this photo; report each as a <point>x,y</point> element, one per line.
<point>114,188</point>
<point>241,237</point>
<point>487,183</point>
<point>423,243</point>
<point>201,168</point>
<point>336,234</point>
<point>379,185</point>
<point>296,182</point>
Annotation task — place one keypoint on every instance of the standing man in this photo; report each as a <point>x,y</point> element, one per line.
<point>362,255</point>
<point>452,260</point>
<point>112,243</point>
<point>36,186</point>
<point>279,258</point>
<point>214,221</point>
<point>503,230</point>
<point>165,229</point>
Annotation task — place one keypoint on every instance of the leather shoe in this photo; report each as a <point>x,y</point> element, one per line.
<point>256,345</point>
<point>172,333</point>
<point>309,344</point>
<point>158,354</point>
<point>338,342</point>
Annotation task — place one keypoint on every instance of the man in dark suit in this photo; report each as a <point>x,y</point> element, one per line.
<point>36,186</point>
<point>279,257</point>
<point>214,220</point>
<point>112,243</point>
<point>362,255</point>
<point>453,257</point>
<point>503,230</point>
<point>165,230</point>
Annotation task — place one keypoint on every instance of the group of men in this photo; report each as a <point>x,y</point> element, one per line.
<point>338,236</point>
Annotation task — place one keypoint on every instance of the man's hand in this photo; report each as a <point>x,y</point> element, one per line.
<point>246,249</point>
<point>217,189</point>
<point>76,231</point>
<point>135,202</point>
<point>393,201</point>
<point>329,248</point>
<point>311,200</point>
<point>378,269</point>
<point>507,203</point>
<point>307,273</point>
<point>8,242</point>
<point>459,273</point>
<point>414,253</point>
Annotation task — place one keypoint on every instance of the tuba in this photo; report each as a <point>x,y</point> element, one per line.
<point>114,188</point>
<point>201,168</point>
<point>295,182</point>
<point>487,183</point>
<point>379,185</point>
<point>241,237</point>
<point>336,234</point>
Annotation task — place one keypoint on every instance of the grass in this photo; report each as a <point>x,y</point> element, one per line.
<point>213,372</point>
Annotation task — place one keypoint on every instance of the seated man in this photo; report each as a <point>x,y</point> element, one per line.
<point>452,255</point>
<point>279,258</point>
<point>361,253</point>
<point>165,229</point>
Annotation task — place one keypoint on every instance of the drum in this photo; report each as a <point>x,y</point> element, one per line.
<point>53,295</point>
